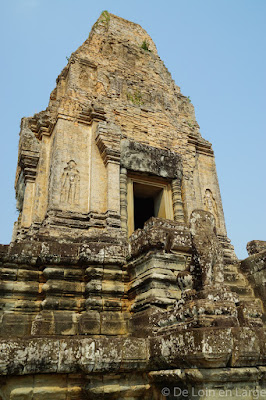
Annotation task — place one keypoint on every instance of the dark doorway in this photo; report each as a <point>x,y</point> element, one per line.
<point>143,210</point>
<point>147,200</point>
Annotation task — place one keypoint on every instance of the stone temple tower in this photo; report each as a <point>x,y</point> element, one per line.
<point>120,281</point>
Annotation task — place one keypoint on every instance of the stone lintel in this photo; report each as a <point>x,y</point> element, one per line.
<point>140,157</point>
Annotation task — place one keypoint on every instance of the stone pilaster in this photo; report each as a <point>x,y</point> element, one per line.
<point>113,186</point>
<point>123,199</point>
<point>177,201</point>
<point>28,163</point>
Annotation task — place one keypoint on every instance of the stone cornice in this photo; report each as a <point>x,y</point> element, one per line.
<point>41,127</point>
<point>108,144</point>
<point>91,114</point>
<point>202,146</point>
<point>28,162</point>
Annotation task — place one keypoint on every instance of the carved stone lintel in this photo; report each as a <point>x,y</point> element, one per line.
<point>140,157</point>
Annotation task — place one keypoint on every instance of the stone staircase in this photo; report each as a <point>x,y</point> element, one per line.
<point>250,308</point>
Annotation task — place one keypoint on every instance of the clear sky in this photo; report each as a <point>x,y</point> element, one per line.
<point>215,51</point>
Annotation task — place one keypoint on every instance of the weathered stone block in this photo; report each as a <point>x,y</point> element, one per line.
<point>198,347</point>
<point>246,348</point>
<point>113,323</point>
<point>256,246</point>
<point>89,323</point>
<point>15,324</point>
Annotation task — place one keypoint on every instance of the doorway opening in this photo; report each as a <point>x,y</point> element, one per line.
<point>147,197</point>
<point>147,203</point>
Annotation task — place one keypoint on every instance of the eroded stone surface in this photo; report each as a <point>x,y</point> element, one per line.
<point>87,311</point>
<point>256,246</point>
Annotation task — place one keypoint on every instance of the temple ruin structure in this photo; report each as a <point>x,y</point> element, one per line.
<point>120,281</point>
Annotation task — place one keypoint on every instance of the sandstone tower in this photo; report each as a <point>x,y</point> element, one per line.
<point>120,281</point>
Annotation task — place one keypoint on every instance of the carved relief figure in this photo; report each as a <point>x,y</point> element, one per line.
<point>70,184</point>
<point>210,204</point>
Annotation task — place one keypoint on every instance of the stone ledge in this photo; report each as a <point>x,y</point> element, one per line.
<point>40,253</point>
<point>72,355</point>
<point>194,348</point>
<point>195,375</point>
<point>209,348</point>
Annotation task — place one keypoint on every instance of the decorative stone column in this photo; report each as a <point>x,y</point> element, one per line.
<point>177,201</point>
<point>123,199</point>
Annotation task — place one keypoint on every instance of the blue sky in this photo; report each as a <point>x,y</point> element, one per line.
<point>215,51</point>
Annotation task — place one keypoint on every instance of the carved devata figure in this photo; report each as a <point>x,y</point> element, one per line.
<point>70,184</point>
<point>210,204</point>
